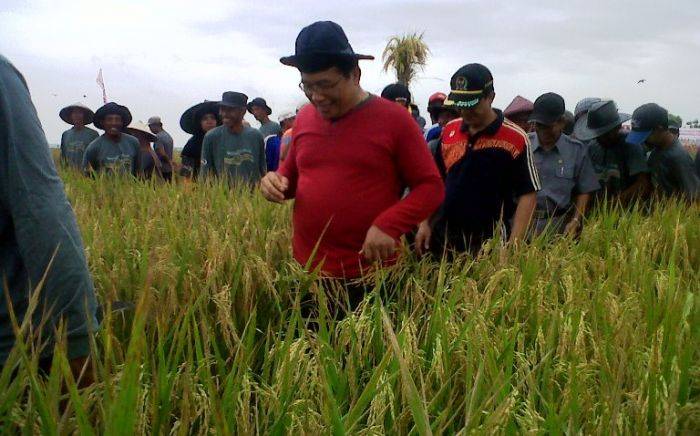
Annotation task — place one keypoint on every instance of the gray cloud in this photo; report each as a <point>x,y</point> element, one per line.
<point>162,56</point>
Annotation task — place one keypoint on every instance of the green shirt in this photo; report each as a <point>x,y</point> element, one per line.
<point>270,128</point>
<point>617,166</point>
<point>37,228</point>
<point>237,156</point>
<point>672,171</point>
<point>103,154</point>
<point>73,145</point>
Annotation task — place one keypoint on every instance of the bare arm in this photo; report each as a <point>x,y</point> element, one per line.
<point>523,215</point>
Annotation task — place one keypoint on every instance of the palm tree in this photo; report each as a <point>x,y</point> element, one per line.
<point>405,55</point>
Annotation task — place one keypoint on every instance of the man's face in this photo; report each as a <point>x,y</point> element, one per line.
<point>155,128</point>
<point>77,117</point>
<point>656,139</point>
<point>330,91</point>
<point>477,115</point>
<point>445,117</point>
<point>207,122</point>
<point>608,139</point>
<point>288,123</point>
<point>259,113</point>
<point>549,135</point>
<point>113,124</point>
<point>232,116</point>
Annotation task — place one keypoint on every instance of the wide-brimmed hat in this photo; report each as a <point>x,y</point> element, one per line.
<point>234,99</point>
<point>190,119</point>
<point>140,126</point>
<point>601,118</point>
<point>260,102</point>
<point>321,39</point>
<point>112,108</point>
<point>66,111</point>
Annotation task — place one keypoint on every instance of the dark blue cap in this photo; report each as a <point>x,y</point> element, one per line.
<point>321,39</point>
<point>645,119</point>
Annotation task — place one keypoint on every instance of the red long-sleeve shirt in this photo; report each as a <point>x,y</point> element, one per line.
<point>349,174</point>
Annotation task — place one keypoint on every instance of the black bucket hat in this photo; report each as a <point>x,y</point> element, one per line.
<point>234,99</point>
<point>321,39</point>
<point>189,121</point>
<point>601,118</point>
<point>260,102</point>
<point>66,111</point>
<point>112,108</point>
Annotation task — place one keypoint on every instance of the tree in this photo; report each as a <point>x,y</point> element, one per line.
<point>405,55</point>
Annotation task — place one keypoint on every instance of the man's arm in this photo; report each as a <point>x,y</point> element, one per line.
<point>523,216</point>
<point>46,230</point>
<point>64,158</point>
<point>262,158</point>
<point>640,189</point>
<point>206,166</point>
<point>89,161</point>
<point>580,206</point>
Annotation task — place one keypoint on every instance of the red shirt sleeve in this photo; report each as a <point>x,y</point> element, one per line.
<point>418,170</point>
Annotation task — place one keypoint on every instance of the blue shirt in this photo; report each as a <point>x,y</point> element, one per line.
<point>565,171</point>
<point>272,152</point>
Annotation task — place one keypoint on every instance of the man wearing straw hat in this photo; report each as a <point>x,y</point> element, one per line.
<point>114,151</point>
<point>147,161</point>
<point>75,140</point>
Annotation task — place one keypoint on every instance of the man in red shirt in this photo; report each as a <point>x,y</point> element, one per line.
<point>351,158</point>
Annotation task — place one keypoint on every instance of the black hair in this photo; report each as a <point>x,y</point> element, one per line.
<point>345,64</point>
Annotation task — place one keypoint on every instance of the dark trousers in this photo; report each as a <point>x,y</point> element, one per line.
<point>342,297</point>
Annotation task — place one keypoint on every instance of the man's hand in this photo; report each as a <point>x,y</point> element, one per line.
<point>572,227</point>
<point>273,187</point>
<point>423,238</point>
<point>378,245</point>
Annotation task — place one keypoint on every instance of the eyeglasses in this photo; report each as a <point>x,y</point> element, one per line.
<point>320,87</point>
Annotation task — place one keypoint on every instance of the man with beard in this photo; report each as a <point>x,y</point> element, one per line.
<point>115,152</point>
<point>234,151</point>
<point>75,140</point>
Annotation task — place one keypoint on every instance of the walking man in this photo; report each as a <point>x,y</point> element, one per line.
<point>163,146</point>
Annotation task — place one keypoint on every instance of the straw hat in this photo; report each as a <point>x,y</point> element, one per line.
<point>140,126</point>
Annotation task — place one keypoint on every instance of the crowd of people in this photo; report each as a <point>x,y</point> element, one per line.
<point>363,170</point>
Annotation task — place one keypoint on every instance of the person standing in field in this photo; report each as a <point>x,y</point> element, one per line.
<point>490,178</point>
<point>233,151</point>
<point>261,111</point>
<point>197,121</point>
<point>621,167</point>
<point>163,147</point>
<point>671,167</point>
<point>147,161</point>
<point>351,157</point>
<point>41,242</point>
<point>75,140</point>
<point>114,152</point>
<point>565,170</point>
<point>580,111</point>
<point>288,126</point>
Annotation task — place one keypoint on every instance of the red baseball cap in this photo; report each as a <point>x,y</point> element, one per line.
<point>438,97</point>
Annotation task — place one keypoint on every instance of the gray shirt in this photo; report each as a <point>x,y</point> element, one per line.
<point>37,228</point>
<point>103,154</point>
<point>165,142</point>
<point>565,171</point>
<point>617,166</point>
<point>270,128</point>
<point>236,156</point>
<point>672,171</point>
<point>73,145</point>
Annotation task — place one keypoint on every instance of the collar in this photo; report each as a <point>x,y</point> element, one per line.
<point>535,143</point>
<point>491,129</point>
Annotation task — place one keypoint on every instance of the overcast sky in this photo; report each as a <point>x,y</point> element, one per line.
<point>160,57</point>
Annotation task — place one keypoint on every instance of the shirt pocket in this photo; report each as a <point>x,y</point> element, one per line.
<point>564,170</point>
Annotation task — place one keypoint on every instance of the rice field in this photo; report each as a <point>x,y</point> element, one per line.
<point>600,336</point>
